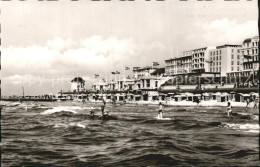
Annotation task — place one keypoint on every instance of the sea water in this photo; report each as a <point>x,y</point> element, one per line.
<point>63,134</point>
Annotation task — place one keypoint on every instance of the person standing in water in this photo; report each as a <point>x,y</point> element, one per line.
<point>160,111</point>
<point>229,108</point>
<point>103,107</point>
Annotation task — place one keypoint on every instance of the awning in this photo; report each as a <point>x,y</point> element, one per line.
<point>162,94</point>
<point>188,94</point>
<point>224,94</point>
<point>205,94</point>
<point>245,94</point>
<point>218,93</point>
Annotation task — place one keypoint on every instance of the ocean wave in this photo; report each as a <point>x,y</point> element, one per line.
<point>60,125</point>
<point>253,128</point>
<point>60,109</point>
<point>9,104</point>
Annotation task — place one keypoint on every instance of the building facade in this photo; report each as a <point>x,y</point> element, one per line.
<point>179,65</point>
<point>250,54</point>
<point>77,84</point>
<point>145,71</point>
<point>226,59</point>
<point>200,59</point>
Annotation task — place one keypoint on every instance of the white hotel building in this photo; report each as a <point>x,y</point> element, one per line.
<point>195,61</point>
<point>250,53</point>
<point>226,59</point>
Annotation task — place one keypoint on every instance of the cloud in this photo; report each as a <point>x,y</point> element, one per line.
<point>57,62</point>
<point>224,31</point>
<point>58,43</point>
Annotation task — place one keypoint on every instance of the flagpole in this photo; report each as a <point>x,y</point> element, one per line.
<point>124,74</point>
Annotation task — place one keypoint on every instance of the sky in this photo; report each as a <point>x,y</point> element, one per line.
<point>45,44</point>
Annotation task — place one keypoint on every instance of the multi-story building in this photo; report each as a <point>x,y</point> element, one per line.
<point>145,71</point>
<point>226,59</point>
<point>194,61</point>
<point>179,65</point>
<point>250,54</point>
<point>200,60</point>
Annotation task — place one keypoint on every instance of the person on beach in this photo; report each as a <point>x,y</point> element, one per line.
<point>229,109</point>
<point>160,111</point>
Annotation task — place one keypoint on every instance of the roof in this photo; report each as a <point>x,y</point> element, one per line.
<point>78,79</point>
<point>247,40</point>
<point>177,58</point>
<point>227,45</point>
<point>158,71</point>
<point>144,68</point>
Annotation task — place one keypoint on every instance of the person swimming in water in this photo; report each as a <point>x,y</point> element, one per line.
<point>229,109</point>
<point>92,113</point>
<point>160,111</point>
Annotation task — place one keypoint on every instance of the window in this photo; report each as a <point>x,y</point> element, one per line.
<point>147,83</point>
<point>219,69</point>
<point>210,53</point>
<point>210,69</point>
<point>213,63</point>
<point>217,63</point>
<point>238,56</point>
<point>232,62</point>
<point>238,50</point>
<point>156,84</point>
<point>217,52</point>
<point>232,50</point>
<point>213,58</point>
<point>217,57</point>
<point>216,69</point>
<point>238,63</point>
<point>237,68</point>
<point>232,56</point>
<point>213,53</point>
<point>220,52</point>
<point>232,68</point>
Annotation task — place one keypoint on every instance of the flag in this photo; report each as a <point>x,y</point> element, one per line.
<point>127,68</point>
<point>117,72</point>
<point>155,64</point>
<point>113,72</point>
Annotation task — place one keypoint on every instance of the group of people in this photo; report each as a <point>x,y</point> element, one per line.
<point>104,111</point>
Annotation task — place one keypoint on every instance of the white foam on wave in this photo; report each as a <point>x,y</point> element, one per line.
<point>59,109</point>
<point>254,128</point>
<point>70,125</point>
<point>10,104</point>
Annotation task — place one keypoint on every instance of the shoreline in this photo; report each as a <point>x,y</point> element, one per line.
<point>209,103</point>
